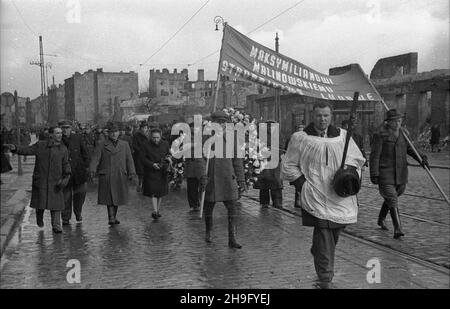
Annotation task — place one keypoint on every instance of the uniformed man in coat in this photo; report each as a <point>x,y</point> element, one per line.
<point>113,163</point>
<point>389,167</point>
<point>75,191</point>
<point>51,174</point>
<point>222,182</point>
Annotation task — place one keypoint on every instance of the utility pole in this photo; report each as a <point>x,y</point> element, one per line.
<point>16,106</point>
<point>277,90</point>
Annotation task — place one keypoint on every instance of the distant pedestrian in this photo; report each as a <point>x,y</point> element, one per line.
<point>113,163</point>
<point>155,158</point>
<point>270,183</point>
<point>312,159</point>
<point>435,137</point>
<point>193,173</point>
<point>300,128</point>
<point>51,174</point>
<point>140,138</point>
<point>389,168</point>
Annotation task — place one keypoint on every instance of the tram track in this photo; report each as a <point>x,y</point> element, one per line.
<point>378,244</point>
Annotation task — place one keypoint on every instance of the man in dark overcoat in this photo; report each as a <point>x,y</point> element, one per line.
<point>221,183</point>
<point>75,191</point>
<point>389,167</point>
<point>113,163</point>
<point>51,174</point>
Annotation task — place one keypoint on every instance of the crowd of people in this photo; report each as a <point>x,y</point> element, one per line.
<point>68,156</point>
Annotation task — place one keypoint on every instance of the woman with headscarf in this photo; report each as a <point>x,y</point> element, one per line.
<point>155,158</point>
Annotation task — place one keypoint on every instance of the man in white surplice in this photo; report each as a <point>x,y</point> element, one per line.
<point>312,159</point>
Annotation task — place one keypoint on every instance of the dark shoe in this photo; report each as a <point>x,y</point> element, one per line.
<point>234,244</point>
<point>158,214</point>
<point>324,285</point>
<point>154,215</point>
<point>382,216</point>
<point>116,221</point>
<point>57,230</point>
<point>265,206</point>
<point>65,222</point>
<point>278,206</point>
<point>79,218</point>
<point>208,237</point>
<point>40,222</point>
<point>395,215</point>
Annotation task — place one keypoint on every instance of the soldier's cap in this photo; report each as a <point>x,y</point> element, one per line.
<point>112,127</point>
<point>393,114</point>
<point>64,124</point>
<point>219,116</point>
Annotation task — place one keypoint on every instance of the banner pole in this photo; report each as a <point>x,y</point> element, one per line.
<point>405,135</point>
<point>216,94</point>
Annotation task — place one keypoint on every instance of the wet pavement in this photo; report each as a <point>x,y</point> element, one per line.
<point>171,252</point>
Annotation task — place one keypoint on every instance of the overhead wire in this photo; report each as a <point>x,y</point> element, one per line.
<point>181,28</point>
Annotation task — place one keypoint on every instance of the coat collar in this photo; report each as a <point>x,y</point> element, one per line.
<point>331,132</point>
<point>110,146</point>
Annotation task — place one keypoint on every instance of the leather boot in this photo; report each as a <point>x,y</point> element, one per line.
<point>232,230</point>
<point>395,215</point>
<point>208,225</point>
<point>382,217</point>
<point>115,214</point>
<point>110,214</point>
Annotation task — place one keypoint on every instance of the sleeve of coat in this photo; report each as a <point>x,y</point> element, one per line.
<point>131,171</point>
<point>290,166</point>
<point>66,164</point>
<point>412,153</point>
<point>144,159</point>
<point>238,165</point>
<point>84,152</point>
<point>96,156</point>
<point>26,150</point>
<point>375,153</point>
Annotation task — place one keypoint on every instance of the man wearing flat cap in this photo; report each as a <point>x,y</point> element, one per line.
<point>389,167</point>
<point>221,183</point>
<point>113,163</point>
<point>75,191</point>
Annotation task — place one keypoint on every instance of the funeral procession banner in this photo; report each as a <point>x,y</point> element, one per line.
<point>244,59</point>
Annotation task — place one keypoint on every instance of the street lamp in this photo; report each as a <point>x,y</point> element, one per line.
<point>218,20</point>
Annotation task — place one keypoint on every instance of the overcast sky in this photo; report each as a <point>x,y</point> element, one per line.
<point>119,35</point>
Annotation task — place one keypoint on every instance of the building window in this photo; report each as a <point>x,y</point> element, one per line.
<point>193,86</point>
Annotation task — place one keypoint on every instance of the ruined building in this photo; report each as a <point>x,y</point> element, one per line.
<point>423,97</point>
<point>95,96</point>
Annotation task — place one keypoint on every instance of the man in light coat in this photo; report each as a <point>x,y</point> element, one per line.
<point>113,163</point>
<point>312,159</point>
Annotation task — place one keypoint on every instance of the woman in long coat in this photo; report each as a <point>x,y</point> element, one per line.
<point>51,174</point>
<point>113,163</point>
<point>155,158</point>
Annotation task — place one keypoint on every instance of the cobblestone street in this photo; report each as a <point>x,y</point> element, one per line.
<point>171,253</point>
